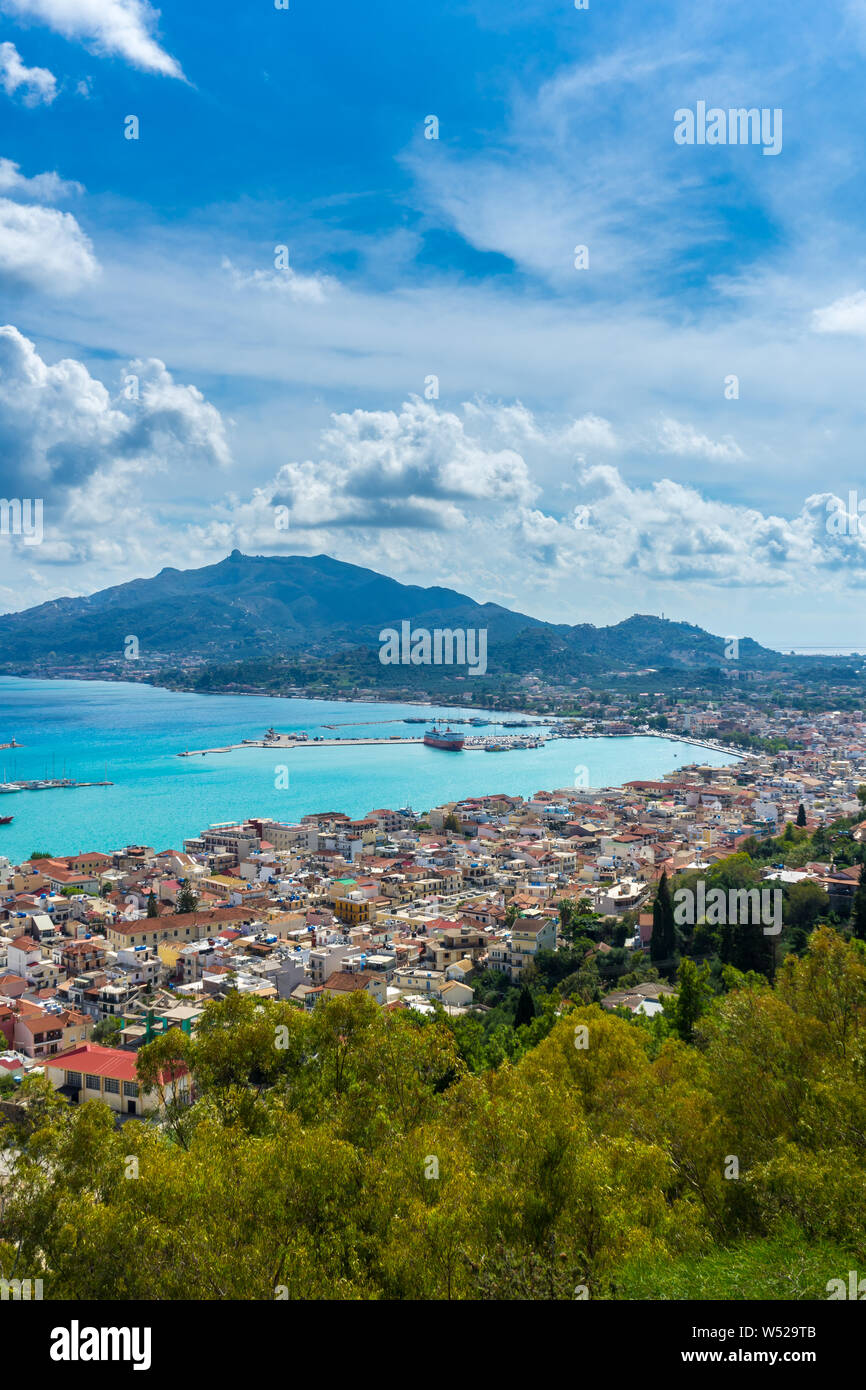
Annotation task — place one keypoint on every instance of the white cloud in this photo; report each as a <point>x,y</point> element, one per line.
<point>45,188</point>
<point>413,469</point>
<point>39,85</point>
<point>122,28</point>
<point>60,427</point>
<point>684,441</point>
<point>518,426</point>
<point>305,289</point>
<point>846,315</point>
<point>44,249</point>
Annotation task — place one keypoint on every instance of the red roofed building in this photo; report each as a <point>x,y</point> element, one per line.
<point>109,1074</point>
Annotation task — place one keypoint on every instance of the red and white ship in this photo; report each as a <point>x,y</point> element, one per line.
<point>444,738</point>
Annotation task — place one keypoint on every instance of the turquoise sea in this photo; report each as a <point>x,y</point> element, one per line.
<point>132,733</point>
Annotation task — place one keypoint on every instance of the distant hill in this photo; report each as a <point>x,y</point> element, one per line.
<point>261,606</point>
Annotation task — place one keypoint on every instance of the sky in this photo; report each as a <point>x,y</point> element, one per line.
<point>439,289</point>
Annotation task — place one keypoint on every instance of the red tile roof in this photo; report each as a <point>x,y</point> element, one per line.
<point>103,1061</point>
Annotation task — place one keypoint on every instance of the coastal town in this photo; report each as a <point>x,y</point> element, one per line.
<point>100,952</point>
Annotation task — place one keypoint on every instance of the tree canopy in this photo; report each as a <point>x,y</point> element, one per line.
<point>715,1151</point>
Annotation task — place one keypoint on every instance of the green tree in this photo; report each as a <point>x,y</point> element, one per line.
<point>152,909</point>
<point>801,815</point>
<point>576,919</point>
<point>663,940</point>
<point>107,1031</point>
<point>691,1000</point>
<point>525,1011</point>
<point>186,898</point>
<point>804,903</point>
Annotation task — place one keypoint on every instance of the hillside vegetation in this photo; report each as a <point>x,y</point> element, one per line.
<point>353,1154</point>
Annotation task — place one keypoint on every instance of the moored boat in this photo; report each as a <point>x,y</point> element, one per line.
<point>447,739</point>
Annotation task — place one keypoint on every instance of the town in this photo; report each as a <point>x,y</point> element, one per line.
<point>440,913</point>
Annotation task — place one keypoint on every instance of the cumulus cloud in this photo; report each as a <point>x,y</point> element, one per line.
<point>44,249</point>
<point>121,28</point>
<point>846,315</point>
<point>35,84</point>
<point>416,467</point>
<point>61,429</point>
<point>305,289</point>
<point>45,188</point>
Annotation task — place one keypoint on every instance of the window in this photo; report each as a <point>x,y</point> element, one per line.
<point>112,1085</point>
<point>130,1088</point>
<point>92,1083</point>
<point>73,1078</point>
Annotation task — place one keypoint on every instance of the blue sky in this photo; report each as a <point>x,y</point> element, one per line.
<point>584,457</point>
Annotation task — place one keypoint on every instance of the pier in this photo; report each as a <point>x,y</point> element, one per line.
<point>284,742</point>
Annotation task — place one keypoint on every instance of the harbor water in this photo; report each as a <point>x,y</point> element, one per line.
<point>133,733</point>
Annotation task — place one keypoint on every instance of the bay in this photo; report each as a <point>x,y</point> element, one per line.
<point>132,733</point>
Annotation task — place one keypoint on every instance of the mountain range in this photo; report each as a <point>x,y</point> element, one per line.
<point>247,607</point>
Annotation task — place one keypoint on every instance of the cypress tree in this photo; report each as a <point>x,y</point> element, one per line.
<point>525,1011</point>
<point>664,938</point>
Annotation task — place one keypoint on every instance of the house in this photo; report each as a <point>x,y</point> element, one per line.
<point>92,863</point>
<point>419,981</point>
<point>456,994</point>
<point>45,1032</point>
<point>642,999</point>
<point>529,935</point>
<point>91,1072</point>
<point>24,956</point>
<point>348,982</point>
<point>459,969</point>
